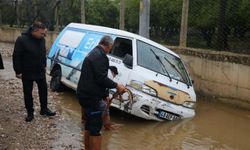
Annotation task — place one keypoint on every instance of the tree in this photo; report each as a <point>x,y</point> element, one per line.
<point>203,17</point>
<point>222,42</point>
<point>237,17</point>
<point>165,20</point>
<point>132,15</point>
<point>69,10</point>
<point>102,12</point>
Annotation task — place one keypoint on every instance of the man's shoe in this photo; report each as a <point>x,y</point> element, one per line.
<point>47,112</point>
<point>29,118</point>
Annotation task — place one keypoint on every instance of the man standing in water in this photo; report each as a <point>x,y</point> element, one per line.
<point>29,62</point>
<point>91,91</point>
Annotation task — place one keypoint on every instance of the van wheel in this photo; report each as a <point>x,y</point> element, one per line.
<point>55,83</point>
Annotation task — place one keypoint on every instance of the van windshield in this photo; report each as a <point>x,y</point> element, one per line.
<point>162,62</point>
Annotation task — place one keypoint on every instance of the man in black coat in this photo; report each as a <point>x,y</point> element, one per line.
<point>1,62</point>
<point>91,91</point>
<point>29,62</point>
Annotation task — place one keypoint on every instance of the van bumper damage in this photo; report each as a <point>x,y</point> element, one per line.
<point>152,108</point>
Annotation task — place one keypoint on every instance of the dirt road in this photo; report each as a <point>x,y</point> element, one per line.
<point>15,133</point>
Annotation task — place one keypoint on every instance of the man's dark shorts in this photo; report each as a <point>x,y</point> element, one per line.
<point>93,114</point>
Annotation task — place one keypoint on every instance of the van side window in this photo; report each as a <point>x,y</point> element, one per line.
<point>71,42</point>
<point>121,47</point>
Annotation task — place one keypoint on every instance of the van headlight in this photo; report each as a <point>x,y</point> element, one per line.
<point>189,104</point>
<point>142,87</point>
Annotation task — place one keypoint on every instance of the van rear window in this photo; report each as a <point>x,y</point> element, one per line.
<point>71,38</point>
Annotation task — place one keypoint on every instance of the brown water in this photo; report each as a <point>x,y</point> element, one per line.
<point>215,126</point>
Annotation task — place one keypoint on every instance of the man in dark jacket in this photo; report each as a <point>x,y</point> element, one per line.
<point>1,62</point>
<point>91,91</point>
<point>29,62</point>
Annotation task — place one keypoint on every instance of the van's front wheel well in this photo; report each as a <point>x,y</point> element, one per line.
<point>56,75</point>
<point>55,67</point>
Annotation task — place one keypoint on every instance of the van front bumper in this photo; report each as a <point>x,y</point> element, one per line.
<point>153,108</point>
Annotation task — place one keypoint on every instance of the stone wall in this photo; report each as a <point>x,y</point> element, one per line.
<point>217,75</point>
<point>10,35</point>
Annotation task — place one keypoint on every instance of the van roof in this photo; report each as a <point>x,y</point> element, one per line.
<point>118,32</point>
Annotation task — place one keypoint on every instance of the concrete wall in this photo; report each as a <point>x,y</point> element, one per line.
<point>10,34</point>
<point>217,75</point>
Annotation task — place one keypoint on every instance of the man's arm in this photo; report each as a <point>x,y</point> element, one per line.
<point>100,68</point>
<point>17,56</point>
<point>45,53</point>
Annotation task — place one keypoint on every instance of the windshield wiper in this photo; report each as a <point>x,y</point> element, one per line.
<point>162,65</point>
<point>173,66</point>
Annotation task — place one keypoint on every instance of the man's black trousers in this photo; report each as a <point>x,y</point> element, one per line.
<point>42,91</point>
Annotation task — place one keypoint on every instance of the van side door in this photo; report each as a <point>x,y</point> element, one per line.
<point>121,56</point>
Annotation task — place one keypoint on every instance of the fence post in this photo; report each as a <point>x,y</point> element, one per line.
<point>17,12</point>
<point>144,18</point>
<point>184,24</point>
<point>82,11</point>
<point>122,14</point>
<point>57,15</point>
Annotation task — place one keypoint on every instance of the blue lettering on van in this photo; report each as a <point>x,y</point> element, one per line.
<point>67,52</point>
<point>171,93</point>
<point>90,43</point>
<point>70,53</point>
<point>117,61</point>
<point>71,57</point>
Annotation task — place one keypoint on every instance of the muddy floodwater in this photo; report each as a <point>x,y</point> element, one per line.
<point>215,126</point>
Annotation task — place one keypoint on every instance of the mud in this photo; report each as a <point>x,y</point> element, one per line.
<point>15,133</point>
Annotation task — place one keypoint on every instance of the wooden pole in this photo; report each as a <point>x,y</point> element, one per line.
<point>144,18</point>
<point>122,15</point>
<point>184,23</point>
<point>82,11</point>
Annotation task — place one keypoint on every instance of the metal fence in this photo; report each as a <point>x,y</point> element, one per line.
<point>220,25</point>
<point>213,24</point>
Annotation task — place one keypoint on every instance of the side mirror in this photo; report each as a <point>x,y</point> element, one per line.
<point>128,61</point>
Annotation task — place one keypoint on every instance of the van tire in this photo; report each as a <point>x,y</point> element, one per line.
<point>55,83</point>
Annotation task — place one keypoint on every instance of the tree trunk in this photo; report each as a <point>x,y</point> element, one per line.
<point>56,15</point>
<point>17,13</point>
<point>29,11</point>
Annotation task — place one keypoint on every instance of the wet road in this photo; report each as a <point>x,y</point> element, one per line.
<point>215,126</point>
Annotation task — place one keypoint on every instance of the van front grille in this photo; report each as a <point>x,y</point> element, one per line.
<point>145,109</point>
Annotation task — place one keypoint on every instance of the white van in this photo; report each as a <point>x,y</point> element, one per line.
<point>156,76</point>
